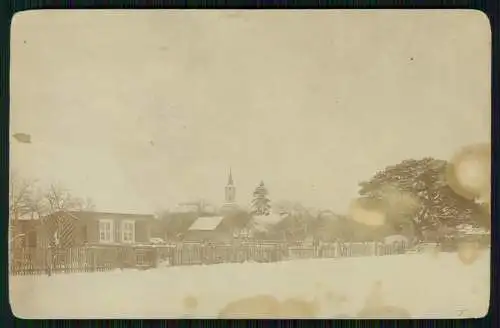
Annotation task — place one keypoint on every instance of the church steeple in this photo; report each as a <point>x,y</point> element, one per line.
<point>230,189</point>
<point>230,180</point>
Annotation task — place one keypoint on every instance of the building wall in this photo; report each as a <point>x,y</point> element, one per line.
<point>142,228</point>
<point>92,231</point>
<point>87,229</point>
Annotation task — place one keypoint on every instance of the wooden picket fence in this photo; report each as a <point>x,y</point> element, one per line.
<point>29,261</point>
<point>94,259</point>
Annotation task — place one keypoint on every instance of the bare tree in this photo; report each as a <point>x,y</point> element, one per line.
<point>20,195</point>
<point>21,203</point>
<point>60,199</point>
<point>28,199</point>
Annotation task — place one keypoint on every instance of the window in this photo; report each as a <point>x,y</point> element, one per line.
<point>128,231</point>
<point>106,231</point>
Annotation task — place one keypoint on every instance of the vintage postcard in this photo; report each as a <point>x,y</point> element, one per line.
<point>250,164</point>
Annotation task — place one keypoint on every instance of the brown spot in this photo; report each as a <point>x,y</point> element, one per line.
<point>468,173</point>
<point>297,308</point>
<point>375,297</point>
<point>468,252</point>
<point>267,306</point>
<point>190,303</point>
<point>260,306</point>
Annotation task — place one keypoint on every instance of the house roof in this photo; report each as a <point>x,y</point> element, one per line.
<point>206,223</point>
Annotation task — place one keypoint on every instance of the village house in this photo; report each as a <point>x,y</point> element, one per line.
<point>198,221</point>
<point>77,228</point>
<point>208,228</point>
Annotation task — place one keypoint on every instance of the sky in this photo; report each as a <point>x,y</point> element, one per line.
<point>140,110</point>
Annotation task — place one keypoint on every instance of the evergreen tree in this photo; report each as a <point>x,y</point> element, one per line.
<point>261,203</point>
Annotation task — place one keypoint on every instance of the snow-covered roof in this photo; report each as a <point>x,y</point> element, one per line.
<point>28,216</point>
<point>206,223</point>
<point>156,240</point>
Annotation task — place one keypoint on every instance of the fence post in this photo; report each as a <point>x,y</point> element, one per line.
<point>48,261</point>
<point>93,257</point>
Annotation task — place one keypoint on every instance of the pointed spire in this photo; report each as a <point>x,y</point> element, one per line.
<point>230,180</point>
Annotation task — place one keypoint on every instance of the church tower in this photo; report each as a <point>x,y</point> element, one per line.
<point>230,196</point>
<point>230,190</point>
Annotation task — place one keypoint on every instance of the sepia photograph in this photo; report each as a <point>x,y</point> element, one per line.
<point>215,164</point>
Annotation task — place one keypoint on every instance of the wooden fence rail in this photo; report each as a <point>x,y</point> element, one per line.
<point>30,261</point>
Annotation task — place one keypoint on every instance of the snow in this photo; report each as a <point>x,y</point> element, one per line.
<point>426,285</point>
<point>206,223</point>
<point>156,241</point>
<point>28,217</point>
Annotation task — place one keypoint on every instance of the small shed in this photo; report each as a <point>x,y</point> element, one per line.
<point>208,228</point>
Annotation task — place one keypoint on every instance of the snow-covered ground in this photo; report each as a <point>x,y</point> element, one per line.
<point>424,285</point>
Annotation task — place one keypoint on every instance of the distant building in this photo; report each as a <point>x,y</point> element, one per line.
<point>208,228</point>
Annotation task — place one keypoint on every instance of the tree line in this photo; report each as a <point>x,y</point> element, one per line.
<point>422,199</point>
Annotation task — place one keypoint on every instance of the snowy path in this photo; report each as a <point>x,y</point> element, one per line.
<point>427,286</point>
